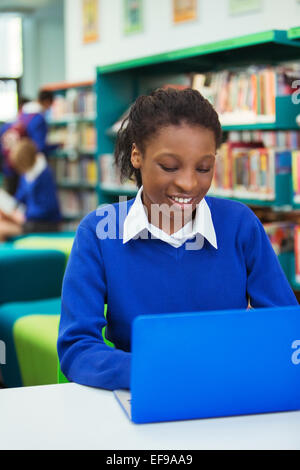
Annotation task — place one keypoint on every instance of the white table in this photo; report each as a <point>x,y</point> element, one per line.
<point>70,416</point>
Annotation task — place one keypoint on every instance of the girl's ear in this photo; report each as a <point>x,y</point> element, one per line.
<point>136,157</point>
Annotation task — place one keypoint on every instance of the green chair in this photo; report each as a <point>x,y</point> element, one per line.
<point>35,338</point>
<point>61,242</point>
<point>31,283</point>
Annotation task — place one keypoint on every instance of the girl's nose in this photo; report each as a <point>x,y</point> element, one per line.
<point>186,182</point>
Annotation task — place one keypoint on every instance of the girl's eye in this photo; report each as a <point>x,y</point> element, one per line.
<point>165,168</point>
<point>203,170</point>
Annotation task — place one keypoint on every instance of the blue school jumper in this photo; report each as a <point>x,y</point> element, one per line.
<point>40,197</point>
<point>146,276</point>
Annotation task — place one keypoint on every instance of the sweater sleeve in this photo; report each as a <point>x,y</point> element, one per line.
<point>84,356</point>
<point>267,285</point>
<point>37,131</point>
<point>20,194</point>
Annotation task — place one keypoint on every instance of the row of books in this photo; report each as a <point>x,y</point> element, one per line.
<point>74,136</point>
<point>296,175</point>
<point>281,236</point>
<point>244,170</point>
<point>110,175</point>
<point>289,140</point>
<point>297,254</point>
<point>248,170</point>
<point>80,171</point>
<point>73,102</point>
<point>247,95</point>
<point>76,204</point>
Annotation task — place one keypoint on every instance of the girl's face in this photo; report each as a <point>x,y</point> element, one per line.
<point>177,169</point>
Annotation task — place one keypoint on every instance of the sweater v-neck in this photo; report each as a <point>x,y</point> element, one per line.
<point>176,253</point>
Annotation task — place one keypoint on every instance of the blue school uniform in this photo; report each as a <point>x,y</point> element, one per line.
<point>37,191</point>
<point>142,275</point>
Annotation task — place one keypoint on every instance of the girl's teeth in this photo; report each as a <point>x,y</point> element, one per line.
<point>182,200</point>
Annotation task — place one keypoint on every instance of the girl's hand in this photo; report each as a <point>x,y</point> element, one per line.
<point>18,217</point>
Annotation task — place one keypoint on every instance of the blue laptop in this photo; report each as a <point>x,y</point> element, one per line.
<point>209,364</point>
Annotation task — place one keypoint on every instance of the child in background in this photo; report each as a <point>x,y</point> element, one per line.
<point>31,122</point>
<point>36,190</point>
<point>176,250</point>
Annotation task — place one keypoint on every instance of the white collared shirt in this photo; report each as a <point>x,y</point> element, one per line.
<point>137,225</point>
<point>37,169</point>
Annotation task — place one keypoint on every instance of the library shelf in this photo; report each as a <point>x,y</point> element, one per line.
<point>285,118</point>
<point>114,190</point>
<point>294,33</point>
<point>272,45</point>
<point>71,120</point>
<point>76,185</point>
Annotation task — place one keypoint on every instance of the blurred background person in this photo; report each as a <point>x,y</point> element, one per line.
<point>36,191</point>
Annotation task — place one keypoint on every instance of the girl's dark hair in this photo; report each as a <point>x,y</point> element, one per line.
<point>161,108</point>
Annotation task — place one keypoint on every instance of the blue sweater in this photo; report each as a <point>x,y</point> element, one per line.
<point>36,129</point>
<point>150,276</point>
<point>40,197</point>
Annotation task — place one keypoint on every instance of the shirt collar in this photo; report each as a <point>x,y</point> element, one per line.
<point>37,168</point>
<point>33,107</point>
<point>136,223</point>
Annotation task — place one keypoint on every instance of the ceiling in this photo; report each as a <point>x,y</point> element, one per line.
<point>23,5</point>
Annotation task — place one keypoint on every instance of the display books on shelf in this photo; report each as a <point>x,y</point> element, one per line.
<point>297,254</point>
<point>281,236</point>
<point>87,141</point>
<point>244,171</point>
<point>285,139</point>
<point>110,175</point>
<point>74,138</point>
<point>75,204</point>
<point>245,96</point>
<point>73,102</point>
<point>253,174</point>
<point>296,176</point>
<point>80,171</point>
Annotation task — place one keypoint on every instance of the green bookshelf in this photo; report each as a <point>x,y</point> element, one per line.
<point>285,118</point>
<point>271,46</point>
<point>294,33</point>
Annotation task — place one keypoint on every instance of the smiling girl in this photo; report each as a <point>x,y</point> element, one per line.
<point>179,250</point>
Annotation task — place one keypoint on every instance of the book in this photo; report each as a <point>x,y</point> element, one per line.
<point>7,202</point>
<point>281,236</point>
<point>297,253</point>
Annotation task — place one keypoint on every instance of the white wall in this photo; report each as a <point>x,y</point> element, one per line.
<point>44,48</point>
<point>160,35</point>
